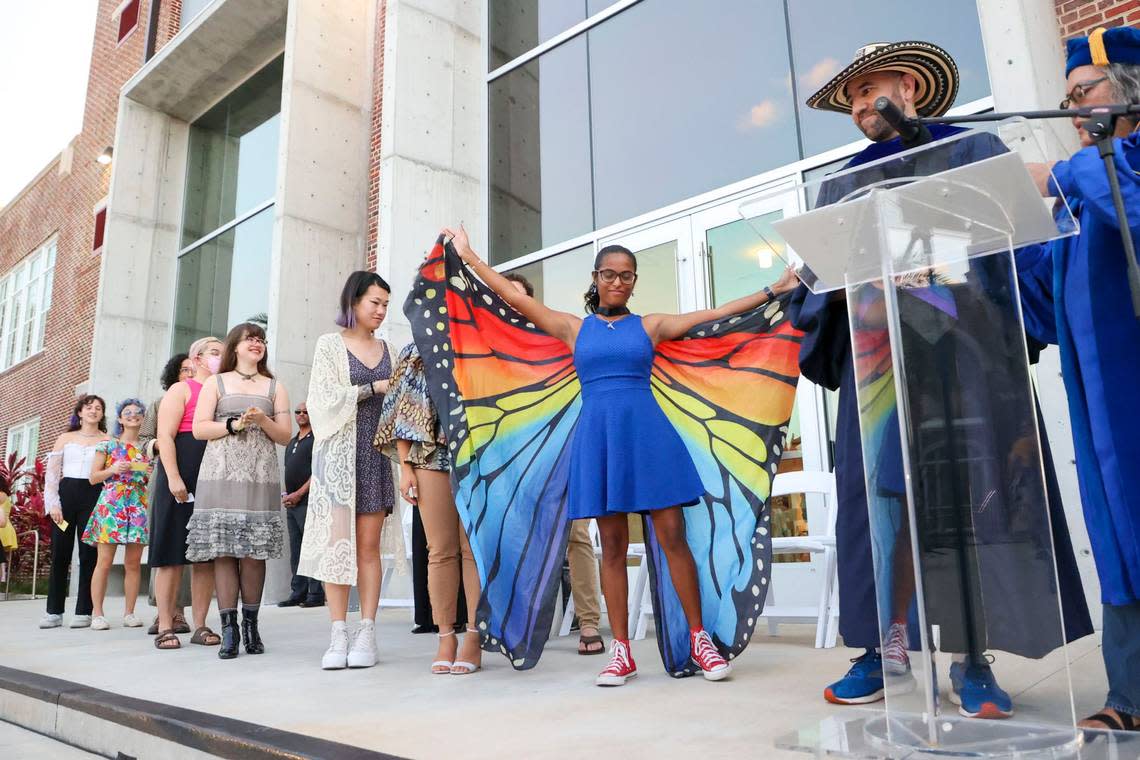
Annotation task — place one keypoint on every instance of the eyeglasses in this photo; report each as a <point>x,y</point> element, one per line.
<point>1078,93</point>
<point>609,275</point>
<point>131,415</point>
<point>255,339</point>
<point>186,371</point>
<point>300,411</point>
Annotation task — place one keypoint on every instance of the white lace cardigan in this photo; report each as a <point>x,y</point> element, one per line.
<point>328,549</point>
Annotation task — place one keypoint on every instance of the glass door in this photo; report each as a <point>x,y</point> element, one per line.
<point>733,262</point>
<point>665,267</point>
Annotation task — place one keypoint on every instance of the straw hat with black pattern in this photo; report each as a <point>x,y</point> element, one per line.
<point>933,70</point>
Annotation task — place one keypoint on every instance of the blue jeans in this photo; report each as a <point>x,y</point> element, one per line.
<point>1121,649</point>
<point>301,586</point>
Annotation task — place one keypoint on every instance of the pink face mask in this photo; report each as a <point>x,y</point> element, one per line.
<point>213,363</point>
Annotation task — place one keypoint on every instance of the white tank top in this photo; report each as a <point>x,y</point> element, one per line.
<point>77,460</point>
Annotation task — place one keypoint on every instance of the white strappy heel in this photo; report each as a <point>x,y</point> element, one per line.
<point>442,667</point>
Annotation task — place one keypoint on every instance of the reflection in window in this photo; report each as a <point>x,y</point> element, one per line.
<point>517,26</point>
<point>232,162</point>
<point>820,51</point>
<point>561,281</point>
<point>224,281</point>
<point>540,154</point>
<point>684,102</point>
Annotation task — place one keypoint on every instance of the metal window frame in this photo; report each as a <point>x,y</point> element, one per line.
<point>245,216</point>
<point>551,43</point>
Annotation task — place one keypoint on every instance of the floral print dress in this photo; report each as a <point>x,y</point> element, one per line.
<point>119,516</point>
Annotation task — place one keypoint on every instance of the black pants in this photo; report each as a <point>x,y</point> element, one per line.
<point>301,587</point>
<point>419,578</point>
<point>77,498</point>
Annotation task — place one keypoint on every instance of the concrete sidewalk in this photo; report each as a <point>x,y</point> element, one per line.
<point>551,711</point>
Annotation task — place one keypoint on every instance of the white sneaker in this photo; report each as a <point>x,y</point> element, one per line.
<point>81,621</point>
<point>130,621</point>
<point>896,662</point>
<point>363,652</point>
<point>99,623</point>
<point>336,656</point>
<point>51,620</point>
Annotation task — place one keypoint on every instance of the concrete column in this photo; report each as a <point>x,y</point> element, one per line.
<point>322,188</point>
<point>1027,71</point>
<point>432,135</point>
<point>136,295</point>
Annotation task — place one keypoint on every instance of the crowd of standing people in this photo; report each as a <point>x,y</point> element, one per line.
<point>369,427</point>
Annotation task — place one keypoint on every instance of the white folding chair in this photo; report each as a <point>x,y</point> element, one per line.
<point>827,610</point>
<point>827,613</point>
<point>635,551</point>
<point>389,561</point>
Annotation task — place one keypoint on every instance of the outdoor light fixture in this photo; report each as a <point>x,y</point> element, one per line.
<point>105,156</point>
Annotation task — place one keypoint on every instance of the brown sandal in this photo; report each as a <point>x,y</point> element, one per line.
<point>180,624</point>
<point>585,642</point>
<point>166,637</point>
<point>205,637</point>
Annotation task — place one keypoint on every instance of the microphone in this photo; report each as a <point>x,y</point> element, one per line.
<point>911,132</point>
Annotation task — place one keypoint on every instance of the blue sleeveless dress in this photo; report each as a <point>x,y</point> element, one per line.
<point>625,455</point>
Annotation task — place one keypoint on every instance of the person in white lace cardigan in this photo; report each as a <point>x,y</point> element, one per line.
<point>349,493</point>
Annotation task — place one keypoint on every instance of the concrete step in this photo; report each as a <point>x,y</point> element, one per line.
<point>117,726</point>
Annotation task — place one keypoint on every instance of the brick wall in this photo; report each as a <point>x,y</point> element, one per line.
<point>374,142</point>
<point>1079,17</point>
<point>61,202</point>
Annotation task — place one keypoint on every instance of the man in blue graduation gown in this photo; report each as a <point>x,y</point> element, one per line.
<point>1077,295</point>
<point>921,79</point>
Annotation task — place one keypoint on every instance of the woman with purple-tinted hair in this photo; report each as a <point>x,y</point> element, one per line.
<point>352,487</point>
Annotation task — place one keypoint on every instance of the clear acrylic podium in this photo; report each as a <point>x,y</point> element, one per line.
<point>921,247</point>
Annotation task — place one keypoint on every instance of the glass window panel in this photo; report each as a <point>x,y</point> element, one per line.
<point>670,118</point>
<point>517,26</point>
<point>540,154</point>
<point>561,281</point>
<point>191,8</point>
<point>740,263</point>
<point>224,281</point>
<point>822,50</point>
<point>232,161</point>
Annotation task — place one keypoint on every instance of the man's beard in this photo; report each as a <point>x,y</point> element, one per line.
<point>876,128</point>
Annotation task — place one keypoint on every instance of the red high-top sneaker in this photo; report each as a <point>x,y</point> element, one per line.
<point>707,658</point>
<point>621,667</point>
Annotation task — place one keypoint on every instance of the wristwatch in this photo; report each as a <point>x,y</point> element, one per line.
<point>768,292</point>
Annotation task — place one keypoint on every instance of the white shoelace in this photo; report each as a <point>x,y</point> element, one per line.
<point>706,651</point>
<point>895,650</point>
<point>339,641</point>
<point>619,658</point>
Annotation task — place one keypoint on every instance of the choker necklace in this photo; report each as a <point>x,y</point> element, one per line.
<point>245,376</point>
<point>611,311</point>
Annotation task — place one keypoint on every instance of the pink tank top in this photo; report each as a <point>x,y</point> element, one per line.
<point>187,424</point>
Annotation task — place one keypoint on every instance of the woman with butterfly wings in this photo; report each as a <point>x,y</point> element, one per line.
<point>551,417</point>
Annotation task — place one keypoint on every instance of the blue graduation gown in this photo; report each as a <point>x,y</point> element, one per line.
<point>826,359</point>
<point>1076,294</point>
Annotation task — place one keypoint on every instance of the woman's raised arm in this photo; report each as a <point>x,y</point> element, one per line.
<point>557,323</point>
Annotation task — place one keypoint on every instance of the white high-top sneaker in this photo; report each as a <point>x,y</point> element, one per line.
<point>336,656</point>
<point>363,652</point>
<point>51,620</point>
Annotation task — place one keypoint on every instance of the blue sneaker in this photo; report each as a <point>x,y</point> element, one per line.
<point>862,684</point>
<point>976,692</point>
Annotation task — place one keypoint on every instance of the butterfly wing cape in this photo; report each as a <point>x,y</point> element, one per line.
<point>509,400</point>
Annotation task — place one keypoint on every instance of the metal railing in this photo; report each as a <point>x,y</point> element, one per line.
<point>35,564</point>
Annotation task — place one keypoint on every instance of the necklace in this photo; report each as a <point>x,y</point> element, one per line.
<point>611,311</point>
<point>245,376</point>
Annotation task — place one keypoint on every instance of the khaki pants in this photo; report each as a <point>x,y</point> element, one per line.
<point>449,553</point>
<point>584,575</point>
